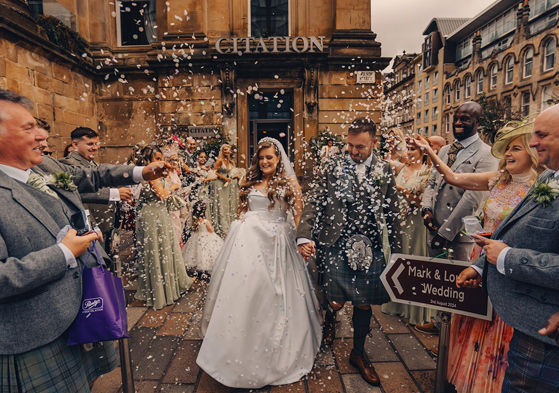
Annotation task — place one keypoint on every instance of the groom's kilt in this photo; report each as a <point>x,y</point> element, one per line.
<point>342,284</point>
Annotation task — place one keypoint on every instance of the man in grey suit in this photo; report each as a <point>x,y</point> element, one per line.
<point>520,270</point>
<point>41,259</point>
<point>445,205</point>
<point>352,200</point>
<point>101,204</point>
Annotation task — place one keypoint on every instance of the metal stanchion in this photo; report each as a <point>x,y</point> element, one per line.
<point>124,348</point>
<point>442,358</point>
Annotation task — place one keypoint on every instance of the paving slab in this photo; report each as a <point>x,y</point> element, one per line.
<point>134,315</point>
<point>192,301</point>
<point>324,380</point>
<point>183,368</point>
<point>155,318</point>
<point>297,387</point>
<point>193,331</point>
<point>175,324</point>
<point>394,378</point>
<point>425,380</point>
<point>325,357</point>
<point>412,352</point>
<point>140,339</point>
<point>172,388</point>
<point>108,383</point>
<point>378,348</point>
<point>155,361</point>
<point>389,323</point>
<point>209,385</point>
<point>353,383</point>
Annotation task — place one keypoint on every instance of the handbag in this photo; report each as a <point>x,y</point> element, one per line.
<point>102,315</point>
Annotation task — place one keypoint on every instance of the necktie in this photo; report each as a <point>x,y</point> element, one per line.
<point>453,151</point>
<point>39,182</point>
<point>360,170</point>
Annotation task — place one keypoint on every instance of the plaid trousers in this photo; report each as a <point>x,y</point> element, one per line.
<point>56,367</point>
<point>533,366</point>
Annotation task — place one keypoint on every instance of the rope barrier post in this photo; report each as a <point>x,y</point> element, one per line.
<point>444,338</point>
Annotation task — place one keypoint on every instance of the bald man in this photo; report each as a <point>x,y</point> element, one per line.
<point>436,142</point>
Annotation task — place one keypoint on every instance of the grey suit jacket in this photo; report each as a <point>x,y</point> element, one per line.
<point>450,203</point>
<point>39,296</point>
<point>325,211</point>
<point>528,293</point>
<point>98,203</point>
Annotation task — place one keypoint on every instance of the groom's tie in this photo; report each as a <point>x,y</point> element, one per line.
<point>38,181</point>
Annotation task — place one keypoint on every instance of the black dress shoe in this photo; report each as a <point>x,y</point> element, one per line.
<point>365,368</point>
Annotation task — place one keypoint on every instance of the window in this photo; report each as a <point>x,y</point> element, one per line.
<point>435,114</point>
<point>447,123</point>
<point>528,60</point>
<point>508,107</point>
<point>53,8</point>
<point>457,91</point>
<point>419,102</point>
<point>493,79</point>
<point>447,94</point>
<point>434,132</point>
<point>136,22</point>
<point>525,104</point>
<point>419,86</point>
<point>427,98</point>
<point>549,60</point>
<point>418,117</point>
<point>480,82</point>
<point>435,78</point>
<point>435,95</point>
<point>468,86</point>
<point>419,70</point>
<point>509,71</point>
<point>269,18</point>
<point>546,96</point>
<point>427,82</point>
<point>426,116</point>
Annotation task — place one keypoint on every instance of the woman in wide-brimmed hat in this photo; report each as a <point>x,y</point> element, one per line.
<point>478,348</point>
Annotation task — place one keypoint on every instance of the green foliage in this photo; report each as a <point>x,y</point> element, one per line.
<point>543,193</point>
<point>61,35</point>
<point>495,115</point>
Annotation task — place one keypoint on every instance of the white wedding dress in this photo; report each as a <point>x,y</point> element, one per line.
<point>261,321</point>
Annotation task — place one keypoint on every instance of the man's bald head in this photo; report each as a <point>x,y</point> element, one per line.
<point>436,142</point>
<point>546,137</point>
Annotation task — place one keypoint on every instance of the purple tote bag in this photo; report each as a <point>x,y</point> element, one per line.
<point>102,315</point>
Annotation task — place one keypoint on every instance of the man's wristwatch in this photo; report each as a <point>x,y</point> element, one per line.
<point>425,210</point>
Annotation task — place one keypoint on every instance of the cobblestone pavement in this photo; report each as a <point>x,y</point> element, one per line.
<point>164,345</point>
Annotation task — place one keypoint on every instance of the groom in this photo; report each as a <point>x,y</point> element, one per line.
<point>350,204</point>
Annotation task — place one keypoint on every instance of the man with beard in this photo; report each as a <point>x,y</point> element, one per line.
<point>445,205</point>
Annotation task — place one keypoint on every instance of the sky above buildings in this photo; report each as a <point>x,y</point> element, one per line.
<point>399,24</point>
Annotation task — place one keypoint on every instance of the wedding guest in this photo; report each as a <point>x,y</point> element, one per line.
<point>201,249</point>
<point>179,208</point>
<point>328,150</point>
<point>67,150</point>
<point>478,348</point>
<point>520,270</point>
<point>205,176</point>
<point>162,277</point>
<point>41,259</point>
<point>261,322</point>
<point>411,180</point>
<point>225,192</point>
<point>395,145</point>
<point>444,204</point>
<point>436,142</point>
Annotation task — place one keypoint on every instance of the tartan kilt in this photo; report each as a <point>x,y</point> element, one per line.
<point>56,367</point>
<point>342,284</point>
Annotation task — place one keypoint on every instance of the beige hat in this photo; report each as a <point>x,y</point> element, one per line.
<point>505,135</point>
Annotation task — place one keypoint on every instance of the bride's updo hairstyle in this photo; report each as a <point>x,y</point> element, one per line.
<point>280,186</point>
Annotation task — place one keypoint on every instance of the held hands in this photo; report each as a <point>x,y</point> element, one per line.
<point>79,244</point>
<point>156,170</point>
<point>126,194</point>
<point>551,328</point>
<point>491,247</point>
<point>429,221</point>
<point>307,250</point>
<point>469,278</point>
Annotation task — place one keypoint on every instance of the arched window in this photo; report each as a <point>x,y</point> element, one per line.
<point>480,82</point>
<point>494,71</point>
<point>549,59</point>
<point>447,94</point>
<point>457,90</point>
<point>509,71</point>
<point>528,61</point>
<point>468,86</point>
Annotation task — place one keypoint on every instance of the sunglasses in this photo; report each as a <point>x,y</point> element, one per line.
<point>47,153</point>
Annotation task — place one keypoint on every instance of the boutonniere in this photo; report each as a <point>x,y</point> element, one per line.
<point>62,180</point>
<point>543,193</point>
<point>378,176</point>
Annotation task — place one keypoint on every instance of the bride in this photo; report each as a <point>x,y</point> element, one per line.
<point>261,323</point>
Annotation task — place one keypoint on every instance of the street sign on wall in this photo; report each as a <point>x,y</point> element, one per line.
<point>364,77</point>
<point>431,282</point>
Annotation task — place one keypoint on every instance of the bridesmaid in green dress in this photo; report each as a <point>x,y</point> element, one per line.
<point>162,277</point>
<point>225,192</point>
<point>412,178</point>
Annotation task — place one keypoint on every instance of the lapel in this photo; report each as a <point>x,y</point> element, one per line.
<point>70,196</point>
<point>82,161</point>
<point>21,196</point>
<point>524,207</point>
<point>465,154</point>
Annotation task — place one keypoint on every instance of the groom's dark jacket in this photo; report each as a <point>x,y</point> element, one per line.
<point>39,295</point>
<point>326,212</point>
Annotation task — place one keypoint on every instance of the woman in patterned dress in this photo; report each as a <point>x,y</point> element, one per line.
<point>478,348</point>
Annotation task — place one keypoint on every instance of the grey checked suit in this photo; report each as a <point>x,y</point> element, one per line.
<point>39,296</point>
<point>528,293</point>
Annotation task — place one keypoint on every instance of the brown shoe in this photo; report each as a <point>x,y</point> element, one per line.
<point>428,328</point>
<point>329,332</point>
<point>435,352</point>
<point>365,368</point>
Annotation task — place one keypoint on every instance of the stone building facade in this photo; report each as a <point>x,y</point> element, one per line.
<point>285,69</point>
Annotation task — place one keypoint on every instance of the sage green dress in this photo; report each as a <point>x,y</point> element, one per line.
<point>414,242</point>
<point>162,275</point>
<point>224,200</point>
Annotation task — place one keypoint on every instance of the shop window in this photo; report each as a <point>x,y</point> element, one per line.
<point>509,71</point>
<point>269,18</point>
<point>494,71</point>
<point>549,60</point>
<point>528,61</point>
<point>136,22</point>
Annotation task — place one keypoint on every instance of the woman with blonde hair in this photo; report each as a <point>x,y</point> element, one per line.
<point>395,145</point>
<point>478,348</point>
<point>261,320</point>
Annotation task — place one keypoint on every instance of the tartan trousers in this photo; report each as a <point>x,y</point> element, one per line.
<point>533,366</point>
